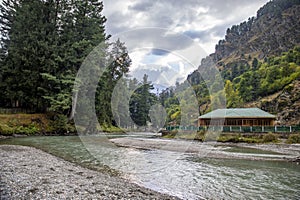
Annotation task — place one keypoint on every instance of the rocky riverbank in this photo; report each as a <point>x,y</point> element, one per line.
<point>281,152</point>
<point>29,173</point>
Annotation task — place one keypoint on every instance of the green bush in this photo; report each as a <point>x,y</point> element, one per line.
<point>31,129</point>
<point>293,139</point>
<point>250,140</point>
<point>6,130</point>
<point>170,134</point>
<point>239,138</point>
<point>200,135</point>
<point>270,137</point>
<point>59,123</point>
<point>229,138</point>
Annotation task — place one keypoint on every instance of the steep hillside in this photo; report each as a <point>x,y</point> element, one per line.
<point>286,104</point>
<point>260,60</point>
<point>267,34</point>
<point>276,29</point>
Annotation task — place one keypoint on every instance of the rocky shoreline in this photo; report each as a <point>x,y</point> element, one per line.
<point>282,152</point>
<point>29,173</point>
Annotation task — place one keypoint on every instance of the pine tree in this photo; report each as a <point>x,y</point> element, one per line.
<point>7,11</point>
<point>233,100</point>
<point>141,101</point>
<point>29,53</point>
<point>81,29</point>
<point>118,66</point>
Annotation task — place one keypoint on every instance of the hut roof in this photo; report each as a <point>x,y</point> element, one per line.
<point>237,113</point>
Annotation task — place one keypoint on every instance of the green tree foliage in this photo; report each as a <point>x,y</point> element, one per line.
<point>30,45</point>
<point>270,77</point>
<point>60,96</point>
<point>233,99</point>
<point>171,103</point>
<point>141,102</point>
<point>118,66</point>
<point>255,63</point>
<point>46,43</point>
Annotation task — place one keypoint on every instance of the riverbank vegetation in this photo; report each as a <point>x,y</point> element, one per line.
<point>203,136</point>
<point>293,138</point>
<point>34,124</point>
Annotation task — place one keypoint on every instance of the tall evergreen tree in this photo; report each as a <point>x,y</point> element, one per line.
<point>117,67</point>
<point>7,11</point>
<point>141,101</point>
<point>29,53</point>
<point>81,28</point>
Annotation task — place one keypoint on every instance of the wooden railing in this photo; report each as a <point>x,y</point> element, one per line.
<point>240,129</point>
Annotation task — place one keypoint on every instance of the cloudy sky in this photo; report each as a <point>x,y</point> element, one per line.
<point>168,38</point>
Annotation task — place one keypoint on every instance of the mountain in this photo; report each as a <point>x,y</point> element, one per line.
<point>261,59</point>
<point>275,29</point>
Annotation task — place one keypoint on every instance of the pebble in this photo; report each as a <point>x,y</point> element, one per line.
<point>29,173</point>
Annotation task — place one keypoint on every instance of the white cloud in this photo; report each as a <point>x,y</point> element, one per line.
<point>205,22</point>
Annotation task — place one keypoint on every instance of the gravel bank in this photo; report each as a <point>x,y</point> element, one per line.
<point>29,173</point>
<point>213,149</point>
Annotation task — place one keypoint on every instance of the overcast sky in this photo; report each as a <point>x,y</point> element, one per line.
<point>168,38</point>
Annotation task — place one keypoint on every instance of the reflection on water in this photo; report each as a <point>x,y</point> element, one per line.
<point>182,174</point>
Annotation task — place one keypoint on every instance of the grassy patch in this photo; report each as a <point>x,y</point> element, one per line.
<point>31,124</point>
<point>28,124</point>
<point>236,138</point>
<point>228,137</point>
<point>293,139</point>
<point>270,137</point>
<point>199,135</point>
<point>170,134</point>
<point>110,129</point>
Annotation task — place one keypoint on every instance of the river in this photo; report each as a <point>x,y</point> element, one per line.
<point>186,175</point>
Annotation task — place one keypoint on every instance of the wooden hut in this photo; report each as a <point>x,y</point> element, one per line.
<point>237,117</point>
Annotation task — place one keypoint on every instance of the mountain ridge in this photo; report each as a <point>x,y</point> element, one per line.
<point>273,32</point>
<point>260,36</point>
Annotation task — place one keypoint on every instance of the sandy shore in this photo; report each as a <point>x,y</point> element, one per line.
<point>29,173</point>
<point>282,152</point>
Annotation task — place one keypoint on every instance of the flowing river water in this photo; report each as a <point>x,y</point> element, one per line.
<point>182,174</point>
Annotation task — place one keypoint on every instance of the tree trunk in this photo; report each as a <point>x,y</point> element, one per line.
<point>74,103</point>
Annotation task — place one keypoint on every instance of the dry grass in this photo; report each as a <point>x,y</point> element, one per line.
<point>23,123</point>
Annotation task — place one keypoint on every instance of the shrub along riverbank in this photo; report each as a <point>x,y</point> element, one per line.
<point>40,124</point>
<point>234,137</point>
<point>50,124</point>
<point>35,124</point>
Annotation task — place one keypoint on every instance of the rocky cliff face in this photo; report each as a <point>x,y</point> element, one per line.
<point>274,30</point>
<point>268,34</point>
<point>284,104</point>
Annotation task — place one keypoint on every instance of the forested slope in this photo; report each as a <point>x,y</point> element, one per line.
<point>257,59</point>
